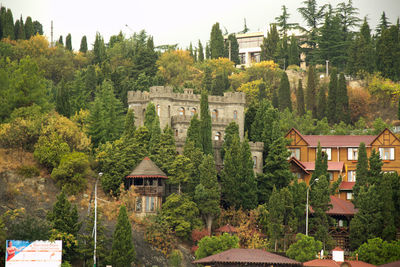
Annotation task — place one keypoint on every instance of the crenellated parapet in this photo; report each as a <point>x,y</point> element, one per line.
<point>257,146</point>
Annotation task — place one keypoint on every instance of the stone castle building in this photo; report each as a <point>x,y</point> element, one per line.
<point>177,109</point>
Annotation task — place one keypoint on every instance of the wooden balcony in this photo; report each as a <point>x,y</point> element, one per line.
<point>147,190</point>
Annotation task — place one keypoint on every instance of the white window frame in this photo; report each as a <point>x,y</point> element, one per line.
<point>330,174</point>
<point>326,150</point>
<point>349,195</point>
<point>351,176</point>
<point>386,153</point>
<point>294,151</point>
<point>151,203</point>
<point>352,153</point>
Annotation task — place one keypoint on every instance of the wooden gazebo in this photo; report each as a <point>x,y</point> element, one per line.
<point>149,183</point>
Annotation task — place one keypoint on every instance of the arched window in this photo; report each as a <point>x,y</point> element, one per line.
<point>176,132</point>
<point>158,108</point>
<point>192,112</point>
<point>215,114</point>
<point>235,115</point>
<point>254,162</point>
<point>181,111</point>
<point>217,136</point>
<point>169,111</point>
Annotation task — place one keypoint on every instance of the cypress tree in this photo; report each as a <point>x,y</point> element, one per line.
<point>193,132</point>
<point>201,52</point>
<point>231,130</point>
<point>269,47</point>
<point>321,165</point>
<point>216,42</point>
<point>38,27</point>
<point>207,79</point>
<point>284,97</point>
<point>311,90</point>
<point>68,42</point>
<point>294,52</point>
<point>208,52</point>
<point>220,84</point>
<point>3,12</point>
<point>205,124</point>
<point>99,49</point>
<point>122,251</point>
<point>207,194</point>
<point>342,100</point>
<point>8,26</point>
<point>163,152</point>
<point>152,123</point>
<point>300,99</point>
<point>191,53</point>
<point>321,104</point>
<point>60,41</point>
<point>275,98</point>
<point>20,29</point>
<point>83,48</point>
<point>248,183</point>
<point>234,47</point>
<point>129,127</point>
<point>387,50</point>
<point>332,96</point>
<point>276,168</point>
<point>262,91</point>
<point>63,106</point>
<point>90,82</point>
<point>16,29</point>
<point>29,30</point>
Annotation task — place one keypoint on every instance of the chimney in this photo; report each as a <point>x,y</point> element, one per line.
<point>338,254</point>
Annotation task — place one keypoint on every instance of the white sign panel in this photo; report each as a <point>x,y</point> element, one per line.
<point>33,253</point>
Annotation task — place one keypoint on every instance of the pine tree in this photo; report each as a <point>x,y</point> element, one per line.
<point>300,99</point>
<point>207,194</point>
<point>216,42</point>
<point>384,23</point>
<point>284,95</point>
<point>68,42</point>
<point>311,90</point>
<point>205,124</point>
<point>83,48</point>
<point>342,100</point>
<point>122,251</point>
<point>90,82</point>
<point>275,218</point>
<point>282,21</point>
<point>387,51</point>
<point>269,47</point>
<point>201,52</point>
<point>321,103</point>
<point>29,30</point>
<point>332,96</point>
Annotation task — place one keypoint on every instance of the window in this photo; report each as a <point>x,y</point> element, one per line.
<point>349,196</point>
<point>351,176</point>
<point>386,153</point>
<point>295,152</point>
<point>138,206</point>
<point>192,112</point>
<point>352,153</point>
<point>254,162</point>
<point>150,204</point>
<point>326,151</point>
<point>330,174</point>
<point>158,108</point>
<point>217,136</point>
<point>235,115</point>
<point>176,132</point>
<point>181,111</point>
<point>215,114</point>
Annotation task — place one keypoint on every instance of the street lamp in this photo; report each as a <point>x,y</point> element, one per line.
<point>308,190</point>
<point>95,219</point>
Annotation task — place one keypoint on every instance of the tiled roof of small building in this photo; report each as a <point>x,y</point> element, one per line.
<point>332,165</point>
<point>340,207</point>
<point>332,263</point>
<point>254,256</point>
<point>346,186</point>
<point>391,264</point>
<point>147,169</point>
<point>338,140</point>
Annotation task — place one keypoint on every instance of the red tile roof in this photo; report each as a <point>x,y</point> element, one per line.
<point>332,263</point>
<point>391,264</point>
<point>346,186</point>
<point>337,249</point>
<point>340,207</point>
<point>241,255</point>
<point>338,140</point>
<point>299,164</point>
<point>332,165</point>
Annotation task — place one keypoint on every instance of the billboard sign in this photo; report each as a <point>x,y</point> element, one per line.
<point>33,253</point>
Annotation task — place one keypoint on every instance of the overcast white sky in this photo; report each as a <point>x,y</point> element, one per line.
<point>170,21</point>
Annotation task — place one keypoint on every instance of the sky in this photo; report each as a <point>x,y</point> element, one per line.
<point>171,21</point>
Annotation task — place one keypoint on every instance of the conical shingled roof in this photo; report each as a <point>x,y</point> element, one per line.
<point>147,169</point>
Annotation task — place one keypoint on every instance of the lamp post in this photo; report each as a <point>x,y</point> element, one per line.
<point>95,219</point>
<point>308,190</point>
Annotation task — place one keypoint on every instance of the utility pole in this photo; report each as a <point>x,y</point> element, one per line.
<point>327,69</point>
<point>95,219</point>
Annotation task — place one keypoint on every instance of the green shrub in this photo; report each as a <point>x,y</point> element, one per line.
<point>28,171</point>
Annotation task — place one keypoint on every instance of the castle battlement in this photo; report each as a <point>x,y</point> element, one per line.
<point>257,146</point>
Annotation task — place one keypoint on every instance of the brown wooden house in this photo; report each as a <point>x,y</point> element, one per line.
<point>342,153</point>
<point>149,182</point>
